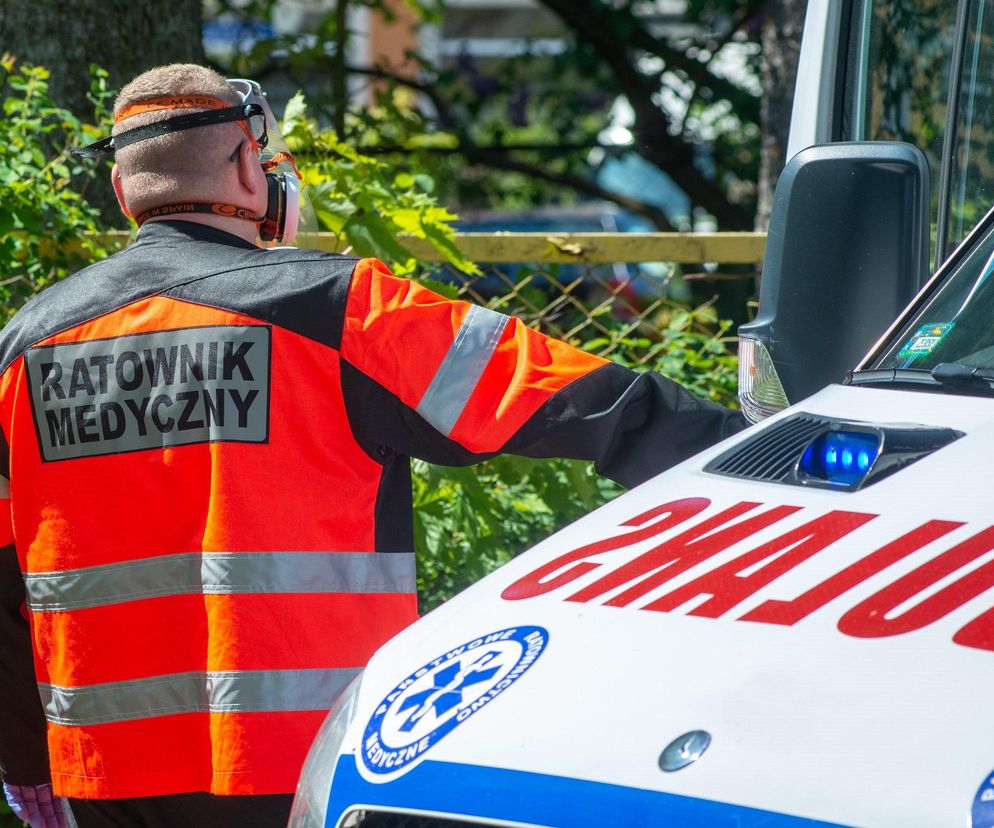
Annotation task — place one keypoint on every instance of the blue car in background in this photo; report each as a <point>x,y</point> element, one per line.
<point>639,285</point>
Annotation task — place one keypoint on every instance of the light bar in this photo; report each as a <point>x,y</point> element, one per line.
<point>840,458</point>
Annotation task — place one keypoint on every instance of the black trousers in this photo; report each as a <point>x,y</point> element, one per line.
<point>191,810</point>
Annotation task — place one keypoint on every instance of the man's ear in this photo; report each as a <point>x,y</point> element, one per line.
<point>250,174</point>
<point>118,185</point>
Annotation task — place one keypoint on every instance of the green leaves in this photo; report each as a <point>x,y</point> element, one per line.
<point>43,221</point>
<point>295,114</point>
<point>369,234</point>
<point>7,819</point>
<point>470,521</point>
<point>367,202</point>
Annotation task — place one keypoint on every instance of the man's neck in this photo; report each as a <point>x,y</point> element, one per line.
<point>236,227</point>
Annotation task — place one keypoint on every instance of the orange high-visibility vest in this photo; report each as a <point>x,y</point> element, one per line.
<point>210,492</point>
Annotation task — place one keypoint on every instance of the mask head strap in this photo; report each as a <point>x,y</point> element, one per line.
<point>213,208</point>
<point>280,158</point>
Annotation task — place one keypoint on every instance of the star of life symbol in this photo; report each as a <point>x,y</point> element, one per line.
<point>444,693</point>
<point>982,813</point>
<point>448,683</point>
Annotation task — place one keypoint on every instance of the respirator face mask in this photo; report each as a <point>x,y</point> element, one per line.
<point>253,115</point>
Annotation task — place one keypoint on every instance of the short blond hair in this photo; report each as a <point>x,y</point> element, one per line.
<point>177,165</point>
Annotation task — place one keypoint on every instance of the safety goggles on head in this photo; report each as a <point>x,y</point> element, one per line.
<point>251,117</point>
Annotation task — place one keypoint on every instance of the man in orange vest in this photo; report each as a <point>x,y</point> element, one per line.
<point>207,450</point>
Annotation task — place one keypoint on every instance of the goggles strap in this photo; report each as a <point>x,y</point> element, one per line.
<point>182,102</point>
<point>174,102</point>
<point>213,208</point>
<point>240,114</point>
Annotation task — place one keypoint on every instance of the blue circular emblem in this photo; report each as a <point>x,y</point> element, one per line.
<point>445,692</point>
<point>982,814</point>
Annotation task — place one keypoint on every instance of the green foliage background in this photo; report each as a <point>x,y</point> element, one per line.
<point>467,521</point>
<point>43,220</point>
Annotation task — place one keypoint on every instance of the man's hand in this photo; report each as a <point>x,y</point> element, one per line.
<point>35,805</point>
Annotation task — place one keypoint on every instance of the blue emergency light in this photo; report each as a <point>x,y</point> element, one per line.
<point>840,458</point>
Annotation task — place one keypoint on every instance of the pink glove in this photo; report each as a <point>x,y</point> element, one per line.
<point>35,805</point>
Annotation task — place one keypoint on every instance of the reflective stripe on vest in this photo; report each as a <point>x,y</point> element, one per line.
<point>231,691</point>
<point>462,368</point>
<point>221,573</point>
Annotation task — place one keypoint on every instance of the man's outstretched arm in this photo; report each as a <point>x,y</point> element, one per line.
<point>454,383</point>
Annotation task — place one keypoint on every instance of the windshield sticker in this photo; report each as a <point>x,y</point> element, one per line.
<point>926,339</point>
<point>982,813</point>
<point>436,698</point>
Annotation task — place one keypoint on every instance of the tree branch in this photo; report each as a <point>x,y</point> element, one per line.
<point>497,158</point>
<point>599,26</point>
<point>339,78</point>
<point>426,89</point>
<point>594,24</point>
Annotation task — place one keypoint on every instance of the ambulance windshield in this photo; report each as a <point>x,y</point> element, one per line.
<point>956,322</point>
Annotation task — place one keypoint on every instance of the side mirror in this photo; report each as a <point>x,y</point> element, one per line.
<point>847,249</point>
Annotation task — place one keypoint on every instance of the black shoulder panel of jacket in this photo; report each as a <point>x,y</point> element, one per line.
<point>632,425</point>
<point>384,425</point>
<point>302,290</point>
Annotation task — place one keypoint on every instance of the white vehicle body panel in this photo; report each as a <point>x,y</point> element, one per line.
<point>814,90</point>
<point>805,719</point>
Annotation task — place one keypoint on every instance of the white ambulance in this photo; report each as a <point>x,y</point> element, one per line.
<point>795,628</point>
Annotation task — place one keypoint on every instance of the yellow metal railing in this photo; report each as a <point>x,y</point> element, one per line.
<point>571,248</point>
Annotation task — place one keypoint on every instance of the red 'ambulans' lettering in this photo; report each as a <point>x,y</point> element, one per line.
<point>540,581</point>
<point>727,586</point>
<point>790,612</point>
<point>979,633</point>
<point>868,619</point>
<point>681,553</point>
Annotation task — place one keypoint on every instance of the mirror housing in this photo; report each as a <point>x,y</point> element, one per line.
<point>847,249</point>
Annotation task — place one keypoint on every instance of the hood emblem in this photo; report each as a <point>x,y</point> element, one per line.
<point>684,750</point>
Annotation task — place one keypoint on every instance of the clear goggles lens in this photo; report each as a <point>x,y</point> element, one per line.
<point>251,92</point>
<point>257,128</point>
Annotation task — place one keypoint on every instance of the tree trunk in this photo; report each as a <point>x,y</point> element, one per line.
<point>781,41</point>
<point>125,37</point>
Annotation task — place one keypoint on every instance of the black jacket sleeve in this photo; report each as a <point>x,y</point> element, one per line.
<point>23,743</point>
<point>632,425</point>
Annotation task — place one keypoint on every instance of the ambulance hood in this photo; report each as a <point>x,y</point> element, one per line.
<point>806,656</point>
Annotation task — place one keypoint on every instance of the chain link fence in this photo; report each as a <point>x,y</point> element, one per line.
<point>609,310</point>
<point>616,295</point>
<point>620,295</point>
